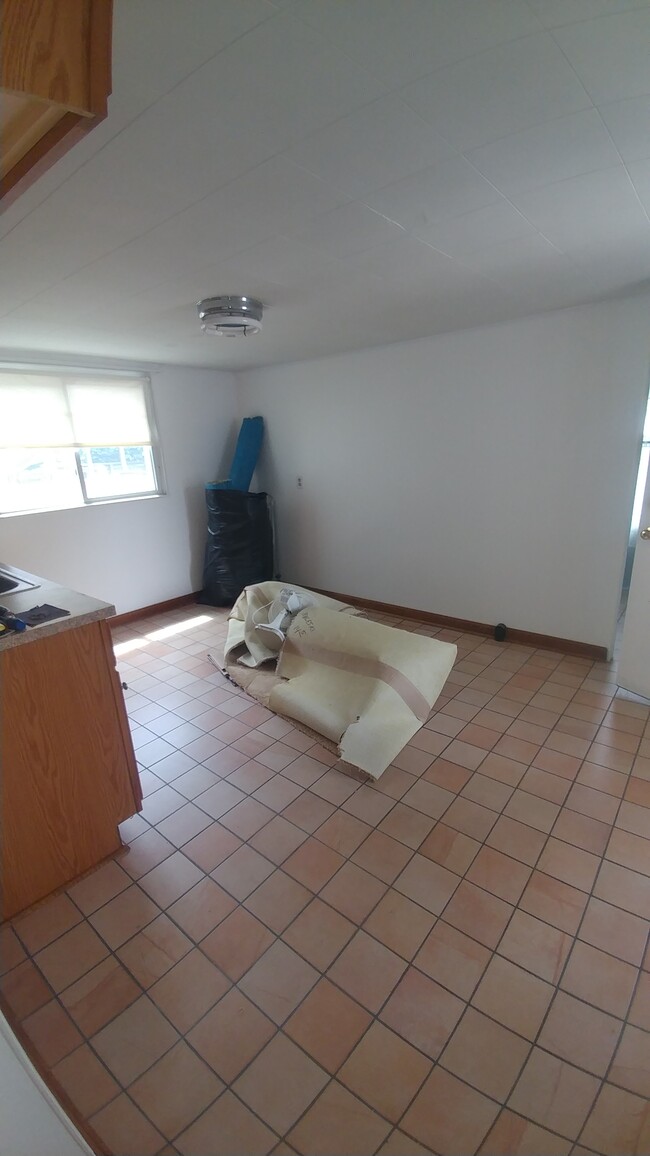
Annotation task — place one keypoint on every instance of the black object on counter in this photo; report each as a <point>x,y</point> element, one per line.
<point>239,550</point>
<point>9,621</point>
<point>44,613</point>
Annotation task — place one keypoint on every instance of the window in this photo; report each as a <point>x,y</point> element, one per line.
<point>74,439</point>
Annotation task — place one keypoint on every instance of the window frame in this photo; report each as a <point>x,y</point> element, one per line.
<point>156,453</point>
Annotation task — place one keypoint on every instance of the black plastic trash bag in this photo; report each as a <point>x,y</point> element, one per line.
<point>239,549</point>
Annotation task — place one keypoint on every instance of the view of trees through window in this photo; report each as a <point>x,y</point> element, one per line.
<point>57,478</point>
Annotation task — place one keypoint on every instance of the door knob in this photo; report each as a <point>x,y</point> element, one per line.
<point>645,534</point>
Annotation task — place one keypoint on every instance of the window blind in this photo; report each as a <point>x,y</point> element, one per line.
<point>40,410</point>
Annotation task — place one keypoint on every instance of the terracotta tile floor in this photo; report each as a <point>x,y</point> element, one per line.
<point>453,961</point>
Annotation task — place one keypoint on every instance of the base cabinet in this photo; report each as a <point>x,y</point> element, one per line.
<point>68,774</point>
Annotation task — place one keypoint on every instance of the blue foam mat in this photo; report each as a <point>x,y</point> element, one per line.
<point>247,451</point>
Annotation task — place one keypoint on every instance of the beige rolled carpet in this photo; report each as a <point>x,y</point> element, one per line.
<point>365,687</point>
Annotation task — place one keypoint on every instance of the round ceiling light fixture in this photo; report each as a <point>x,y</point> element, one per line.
<point>231,316</point>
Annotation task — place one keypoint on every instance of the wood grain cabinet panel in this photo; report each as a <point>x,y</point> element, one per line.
<point>55,79</point>
<point>68,769</point>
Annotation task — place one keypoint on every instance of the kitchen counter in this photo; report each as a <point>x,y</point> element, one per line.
<point>82,608</point>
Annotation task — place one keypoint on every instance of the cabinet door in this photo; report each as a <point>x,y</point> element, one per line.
<point>55,78</point>
<point>68,770</point>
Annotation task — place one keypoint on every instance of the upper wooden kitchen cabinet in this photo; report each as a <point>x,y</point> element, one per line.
<point>55,79</point>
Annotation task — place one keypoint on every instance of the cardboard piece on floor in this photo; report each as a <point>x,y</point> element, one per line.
<point>361,688</point>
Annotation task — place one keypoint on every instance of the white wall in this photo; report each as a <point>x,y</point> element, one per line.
<point>486,475</point>
<point>138,553</point>
<point>31,1121</point>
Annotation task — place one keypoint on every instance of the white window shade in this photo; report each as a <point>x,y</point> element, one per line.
<point>108,413</point>
<point>47,410</point>
<point>33,413</point>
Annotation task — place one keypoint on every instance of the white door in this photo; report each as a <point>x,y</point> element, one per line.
<point>634,663</point>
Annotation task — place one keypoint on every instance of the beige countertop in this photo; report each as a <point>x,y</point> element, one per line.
<point>82,608</point>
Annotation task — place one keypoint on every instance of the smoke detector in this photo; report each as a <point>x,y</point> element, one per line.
<point>231,316</point>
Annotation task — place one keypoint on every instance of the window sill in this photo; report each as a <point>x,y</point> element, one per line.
<point>83,505</point>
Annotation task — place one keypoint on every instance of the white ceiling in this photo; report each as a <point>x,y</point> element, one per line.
<point>373,170</point>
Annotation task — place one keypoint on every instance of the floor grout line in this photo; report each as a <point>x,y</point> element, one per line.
<point>547,665</point>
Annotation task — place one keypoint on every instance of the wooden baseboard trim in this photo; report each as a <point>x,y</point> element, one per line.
<point>156,608</point>
<point>525,637</point>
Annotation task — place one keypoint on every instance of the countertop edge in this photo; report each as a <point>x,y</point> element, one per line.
<point>57,626</point>
<point>77,609</point>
